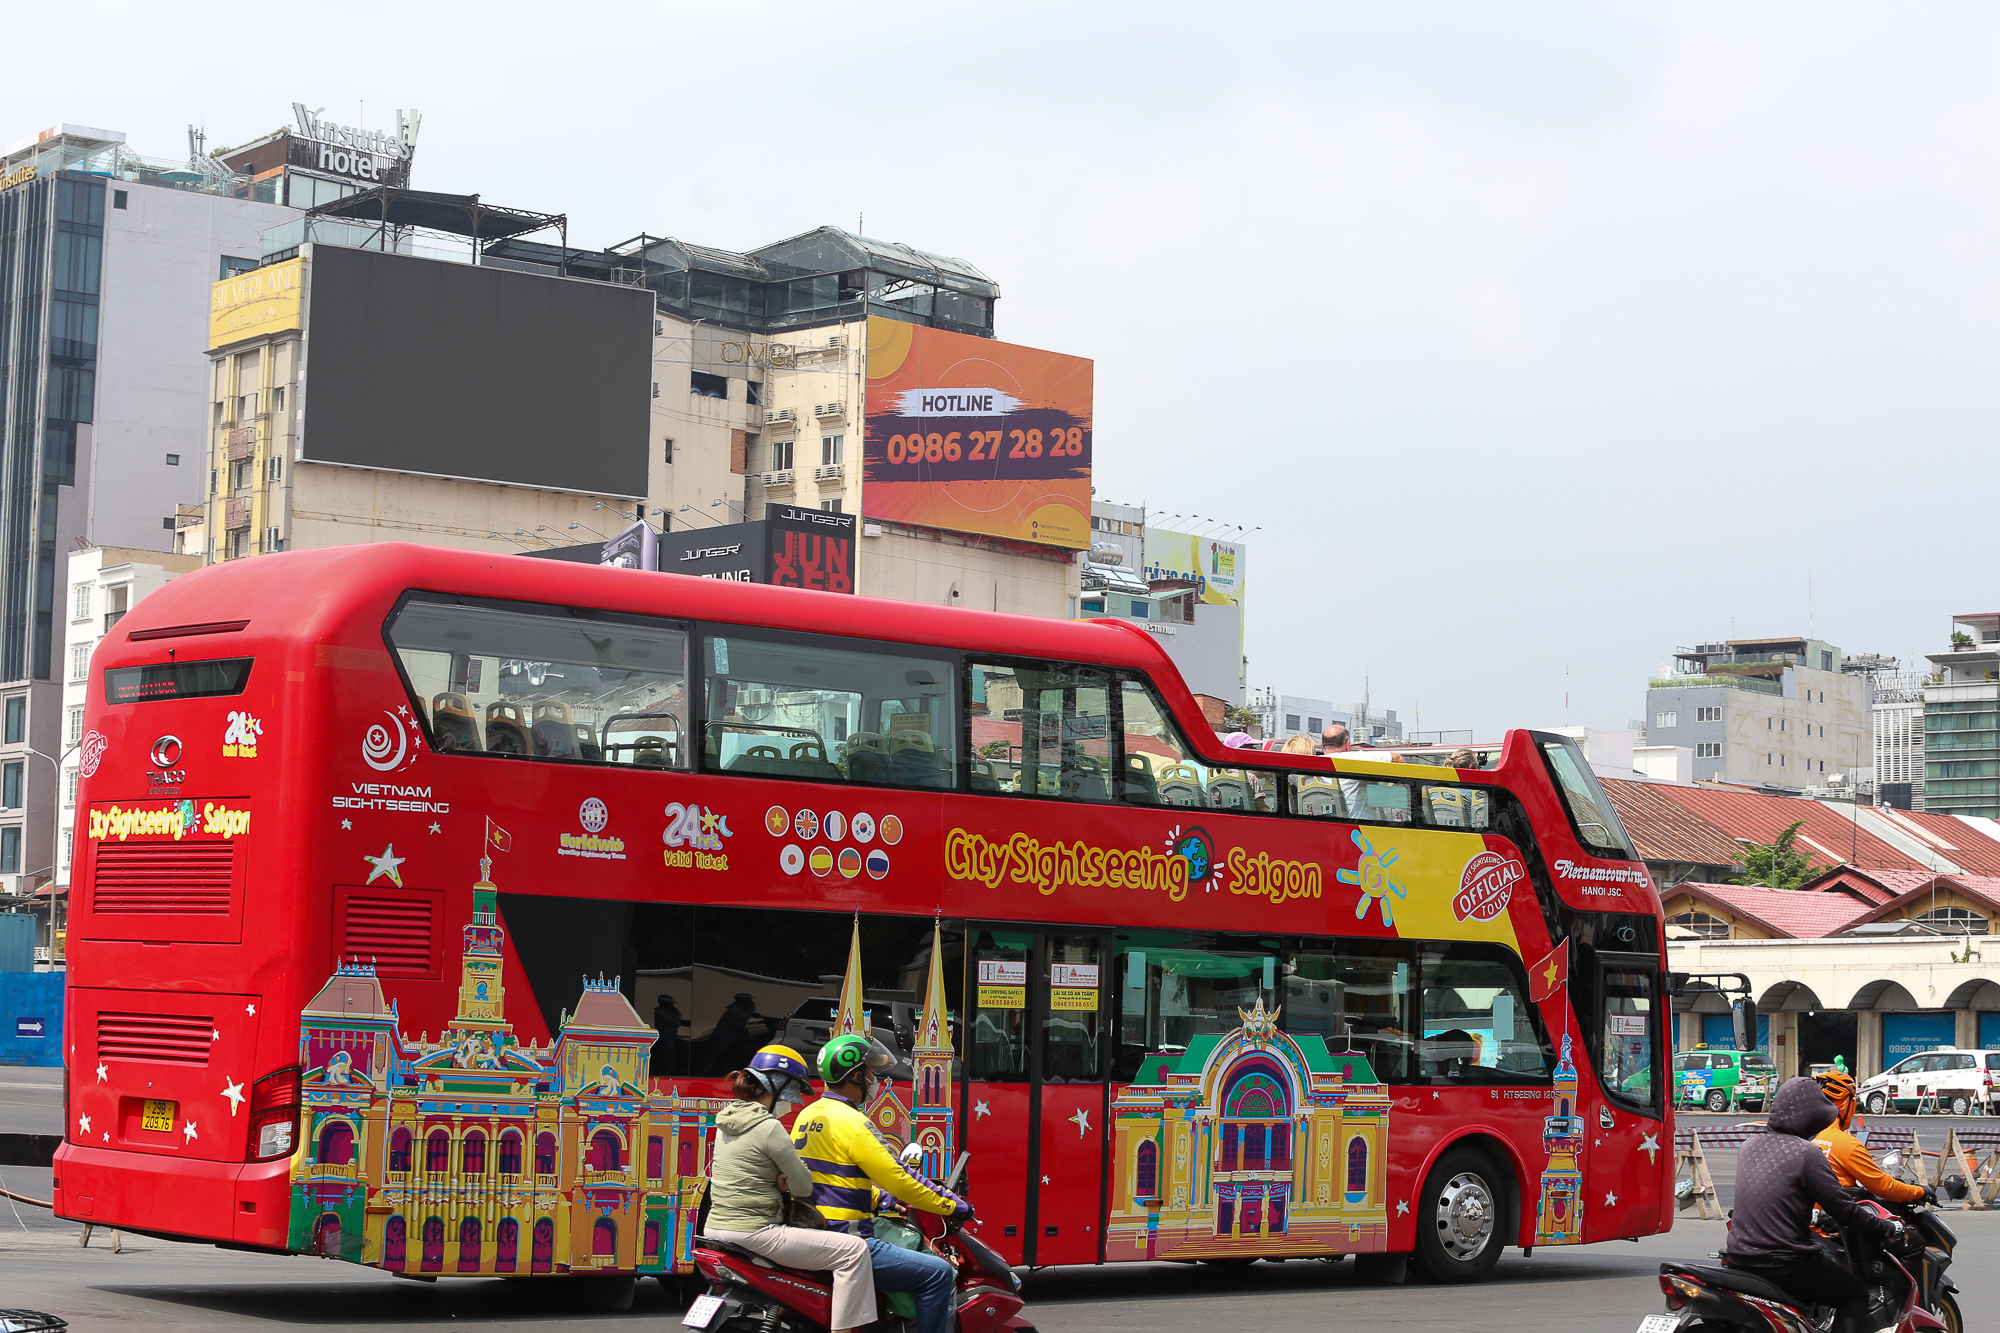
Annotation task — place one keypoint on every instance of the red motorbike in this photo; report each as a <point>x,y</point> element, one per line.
<point>750,1294</point>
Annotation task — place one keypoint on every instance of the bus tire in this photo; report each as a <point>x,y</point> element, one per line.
<point>1382,1270</point>
<point>1717,1100</point>
<point>1460,1218</point>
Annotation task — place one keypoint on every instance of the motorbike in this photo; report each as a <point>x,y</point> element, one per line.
<point>1906,1279</point>
<point>750,1294</point>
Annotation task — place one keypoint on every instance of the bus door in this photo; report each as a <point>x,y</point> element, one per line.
<point>1035,1093</point>
<point>1067,1179</point>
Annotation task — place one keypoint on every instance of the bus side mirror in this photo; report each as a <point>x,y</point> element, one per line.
<point>1743,1022</point>
<point>1677,983</point>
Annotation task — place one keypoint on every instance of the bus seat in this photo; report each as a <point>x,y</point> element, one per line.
<point>1179,784</point>
<point>867,765</point>
<point>649,752</point>
<point>981,773</point>
<point>506,730</point>
<point>553,739</point>
<point>809,750</point>
<point>914,767</point>
<point>1320,796</point>
<point>586,743</point>
<point>1139,785</point>
<point>1231,793</point>
<point>552,709</point>
<point>453,722</point>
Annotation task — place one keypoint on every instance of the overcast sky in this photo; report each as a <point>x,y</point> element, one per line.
<point>1532,339</point>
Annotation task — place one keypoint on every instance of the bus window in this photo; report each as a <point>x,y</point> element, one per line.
<point>797,706</point>
<point>998,1051</point>
<point>1590,810</point>
<point>1076,1010</point>
<point>1358,799</point>
<point>1045,730</point>
<point>1628,1037</point>
<point>543,682</point>
<point>1457,807</point>
<point>1478,1024</point>
<point>1159,768</point>
<point>1357,995</point>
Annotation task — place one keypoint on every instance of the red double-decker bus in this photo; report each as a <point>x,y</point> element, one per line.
<point>424,897</point>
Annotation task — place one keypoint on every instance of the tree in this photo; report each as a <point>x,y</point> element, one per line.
<point>1241,718</point>
<point>994,750</point>
<point>1776,865</point>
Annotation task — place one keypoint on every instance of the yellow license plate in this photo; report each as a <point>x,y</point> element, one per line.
<point>158,1116</point>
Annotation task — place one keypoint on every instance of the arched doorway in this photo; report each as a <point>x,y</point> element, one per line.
<point>468,1245</point>
<point>336,1144</point>
<point>542,1258</point>
<point>395,1239</point>
<point>326,1236</point>
<point>506,1245</point>
<point>604,1237</point>
<point>433,1260</point>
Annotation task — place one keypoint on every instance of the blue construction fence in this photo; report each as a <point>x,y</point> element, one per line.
<point>31,1018</point>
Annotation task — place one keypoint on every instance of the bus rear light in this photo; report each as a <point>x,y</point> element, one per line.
<point>274,1115</point>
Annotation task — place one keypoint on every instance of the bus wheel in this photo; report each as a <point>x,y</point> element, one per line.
<point>1718,1100</point>
<point>1458,1225</point>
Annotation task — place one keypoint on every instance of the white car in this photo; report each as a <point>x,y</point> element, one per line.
<point>1958,1079</point>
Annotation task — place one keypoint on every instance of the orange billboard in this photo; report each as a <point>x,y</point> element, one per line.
<point>972,435</point>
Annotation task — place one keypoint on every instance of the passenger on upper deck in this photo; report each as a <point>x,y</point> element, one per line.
<point>1335,740</point>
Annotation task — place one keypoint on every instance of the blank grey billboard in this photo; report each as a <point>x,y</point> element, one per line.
<point>422,365</point>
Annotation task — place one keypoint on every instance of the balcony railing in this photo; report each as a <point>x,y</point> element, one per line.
<point>111,618</point>
<point>1751,684</point>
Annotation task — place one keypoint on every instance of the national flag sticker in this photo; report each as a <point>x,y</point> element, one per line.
<point>791,860</point>
<point>821,860</point>
<point>776,820</point>
<point>850,862</point>
<point>892,830</point>
<point>862,826</point>
<point>878,862</point>
<point>836,826</point>
<point>806,824</point>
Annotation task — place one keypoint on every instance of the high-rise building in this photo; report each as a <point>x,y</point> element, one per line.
<point>1962,721</point>
<point>1897,710</point>
<point>1771,712</point>
<point>106,263</point>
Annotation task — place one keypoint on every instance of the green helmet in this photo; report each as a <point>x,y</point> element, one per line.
<point>840,1058</point>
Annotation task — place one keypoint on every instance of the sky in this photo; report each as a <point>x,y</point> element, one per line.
<point>1525,342</point>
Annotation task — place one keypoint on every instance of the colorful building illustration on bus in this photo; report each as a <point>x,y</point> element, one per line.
<point>478,1155</point>
<point>927,1118</point>
<point>1251,1142</point>
<point>1560,1218</point>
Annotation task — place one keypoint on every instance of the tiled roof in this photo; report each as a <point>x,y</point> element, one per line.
<point>1982,889</point>
<point>1664,830</point>
<point>1954,840</point>
<point>1878,886</point>
<point>1786,913</point>
<point>1826,838</point>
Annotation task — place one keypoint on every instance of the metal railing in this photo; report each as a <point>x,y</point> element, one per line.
<point>1752,684</point>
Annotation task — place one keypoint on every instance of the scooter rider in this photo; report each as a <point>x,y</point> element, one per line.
<point>1851,1162</point>
<point>850,1167</point>
<point>1780,1175</point>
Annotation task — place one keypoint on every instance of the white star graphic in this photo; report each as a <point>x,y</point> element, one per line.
<point>388,864</point>
<point>1081,1120</point>
<point>1402,1207</point>
<point>404,710</point>
<point>215,1034</point>
<point>1611,1201</point>
<point>1045,1180</point>
<point>1436,1095</point>
<point>107,1136</point>
<point>234,1092</point>
<point>102,1072</point>
<point>1650,1145</point>
<point>1597,1143</point>
<point>347,823</point>
<point>435,827</point>
<point>980,1109</point>
<point>188,1129</point>
<point>83,1124</point>
<point>250,1009</point>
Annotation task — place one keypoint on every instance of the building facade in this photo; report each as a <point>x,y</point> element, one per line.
<point>106,262</point>
<point>1766,712</point>
<point>1962,721</point>
<point>1897,723</point>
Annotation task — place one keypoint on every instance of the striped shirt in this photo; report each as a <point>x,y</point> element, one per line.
<point>851,1167</point>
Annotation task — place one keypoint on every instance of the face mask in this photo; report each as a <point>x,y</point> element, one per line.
<point>781,1109</point>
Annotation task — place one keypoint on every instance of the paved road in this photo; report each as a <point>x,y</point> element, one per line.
<point>1930,1131</point>
<point>155,1285</point>
<point>30,1100</point>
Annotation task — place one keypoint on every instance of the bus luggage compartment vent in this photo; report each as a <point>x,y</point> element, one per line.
<point>166,1039</point>
<point>397,935</point>
<point>177,879</point>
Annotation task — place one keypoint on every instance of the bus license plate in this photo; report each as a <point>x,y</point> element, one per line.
<point>702,1311</point>
<point>158,1116</point>
<point>1659,1323</point>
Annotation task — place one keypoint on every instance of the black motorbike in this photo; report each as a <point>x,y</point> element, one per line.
<point>1906,1279</point>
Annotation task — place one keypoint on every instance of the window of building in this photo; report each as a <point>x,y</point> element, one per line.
<point>273,540</point>
<point>71,776</point>
<point>240,473</point>
<point>1708,713</point>
<point>274,469</point>
<point>668,449</point>
<point>80,602</point>
<point>1291,722</point>
<point>79,661</point>
<point>118,198</point>
<point>211,481</point>
<point>1315,725</point>
<point>1666,719</point>
<point>1141,610</point>
<point>1094,604</point>
<point>830,449</point>
<point>1822,765</point>
<point>1822,731</point>
<point>75,726</point>
<point>830,506</point>
<point>1781,760</point>
<point>525,681</point>
<point>783,705</point>
<point>173,460</point>
<point>239,544</point>
<point>10,850</point>
<point>278,399</point>
<point>10,786</point>
<point>233,265</point>
<point>781,455</point>
<point>1954,921</point>
<point>1768,724</point>
<point>708,386</point>
<point>1700,923</point>
<point>753,393</point>
<point>17,719</point>
<point>1708,750</point>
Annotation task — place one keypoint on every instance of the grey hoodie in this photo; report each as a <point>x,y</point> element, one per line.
<point>752,1150</point>
<point>1780,1175</point>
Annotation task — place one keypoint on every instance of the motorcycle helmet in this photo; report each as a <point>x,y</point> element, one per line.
<point>840,1058</point>
<point>1838,1085</point>
<point>784,1074</point>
